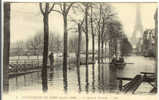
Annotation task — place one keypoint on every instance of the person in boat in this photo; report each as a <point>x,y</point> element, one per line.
<point>121,59</point>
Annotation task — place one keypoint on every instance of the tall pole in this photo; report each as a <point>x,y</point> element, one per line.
<point>6,46</point>
<point>138,27</point>
<point>156,42</point>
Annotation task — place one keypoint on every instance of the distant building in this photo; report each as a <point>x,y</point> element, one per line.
<point>149,42</point>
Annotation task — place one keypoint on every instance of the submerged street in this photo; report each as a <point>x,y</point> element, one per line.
<point>101,80</point>
<point>79,48</point>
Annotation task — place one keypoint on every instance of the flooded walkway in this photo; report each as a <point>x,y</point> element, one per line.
<point>101,80</point>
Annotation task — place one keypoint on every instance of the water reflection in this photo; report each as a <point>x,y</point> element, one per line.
<point>100,77</point>
<point>51,74</point>
<point>93,78</point>
<point>25,81</point>
<point>16,82</point>
<point>38,76</point>
<point>44,80</point>
<point>112,78</point>
<point>65,80</point>
<point>78,78</point>
<point>31,77</point>
<point>87,79</point>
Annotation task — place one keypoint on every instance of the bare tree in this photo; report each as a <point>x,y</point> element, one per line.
<point>107,14</point>
<point>114,28</point>
<point>64,10</point>
<point>6,47</point>
<point>35,44</point>
<point>78,55</point>
<point>93,18</point>
<point>93,35</point>
<point>77,9</point>
<point>45,12</point>
<point>99,31</point>
<point>86,8</point>
<point>102,14</point>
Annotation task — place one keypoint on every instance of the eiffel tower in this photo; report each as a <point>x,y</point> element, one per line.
<point>138,29</point>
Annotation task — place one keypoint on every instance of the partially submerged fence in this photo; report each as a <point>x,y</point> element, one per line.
<point>19,65</point>
<point>24,64</point>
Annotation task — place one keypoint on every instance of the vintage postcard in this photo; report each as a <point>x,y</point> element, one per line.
<point>79,51</point>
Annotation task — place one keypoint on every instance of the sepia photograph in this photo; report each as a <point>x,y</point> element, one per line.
<point>55,49</point>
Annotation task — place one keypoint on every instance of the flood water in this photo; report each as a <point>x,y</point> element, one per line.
<point>101,80</point>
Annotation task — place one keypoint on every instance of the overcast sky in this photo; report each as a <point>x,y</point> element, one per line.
<point>26,19</point>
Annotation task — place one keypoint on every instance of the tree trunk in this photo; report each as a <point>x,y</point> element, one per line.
<point>93,78</point>
<point>102,50</point>
<point>93,48</point>
<point>78,56</point>
<point>105,51</point>
<point>86,27</point>
<point>102,38</point>
<point>110,51</point>
<point>65,53</point>
<point>99,46</point>
<point>99,34</point>
<point>6,47</point>
<point>45,53</point>
<point>92,36</point>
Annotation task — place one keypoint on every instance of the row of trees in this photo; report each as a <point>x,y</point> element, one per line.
<point>96,20</point>
<point>34,45</point>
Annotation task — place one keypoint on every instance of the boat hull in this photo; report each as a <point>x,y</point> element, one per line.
<point>118,65</point>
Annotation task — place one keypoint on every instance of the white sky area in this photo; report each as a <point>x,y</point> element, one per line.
<point>26,19</point>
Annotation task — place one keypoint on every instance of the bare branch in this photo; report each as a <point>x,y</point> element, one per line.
<point>83,29</point>
<point>82,21</point>
<point>61,8</point>
<point>76,21</point>
<point>81,8</point>
<point>52,7</point>
<point>58,11</point>
<point>69,6</point>
<point>40,5</point>
<point>71,29</point>
<point>73,20</point>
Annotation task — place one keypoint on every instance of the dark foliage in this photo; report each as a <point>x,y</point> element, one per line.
<point>126,47</point>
